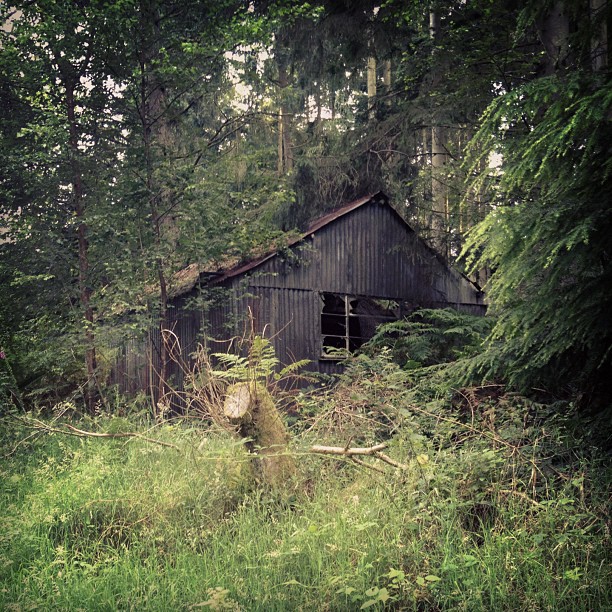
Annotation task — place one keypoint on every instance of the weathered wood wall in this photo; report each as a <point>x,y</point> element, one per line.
<point>370,251</point>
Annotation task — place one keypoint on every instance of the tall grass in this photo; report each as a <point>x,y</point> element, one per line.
<point>125,524</point>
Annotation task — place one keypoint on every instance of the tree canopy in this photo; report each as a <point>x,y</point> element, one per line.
<point>141,136</point>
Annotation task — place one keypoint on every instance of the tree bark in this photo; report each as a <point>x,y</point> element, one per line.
<point>371,74</point>
<point>554,32</point>
<point>352,452</point>
<point>439,192</point>
<point>285,152</point>
<point>387,80</point>
<point>69,81</point>
<point>599,37</point>
<point>154,132</point>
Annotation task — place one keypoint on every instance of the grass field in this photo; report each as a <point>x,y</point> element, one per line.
<point>471,523</point>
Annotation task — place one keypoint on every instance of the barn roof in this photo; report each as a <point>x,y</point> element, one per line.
<point>314,226</point>
<point>185,280</point>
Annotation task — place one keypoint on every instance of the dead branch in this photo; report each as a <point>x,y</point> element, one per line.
<point>367,465</point>
<point>352,452</point>
<point>343,450</point>
<point>70,430</point>
<point>390,461</point>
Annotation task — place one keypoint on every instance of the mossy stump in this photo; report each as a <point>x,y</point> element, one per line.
<point>250,407</point>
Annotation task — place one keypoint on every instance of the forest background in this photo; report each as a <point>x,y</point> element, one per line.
<point>141,136</point>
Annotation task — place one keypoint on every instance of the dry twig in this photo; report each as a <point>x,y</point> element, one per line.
<point>353,452</point>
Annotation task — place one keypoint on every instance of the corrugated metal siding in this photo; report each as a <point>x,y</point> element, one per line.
<point>130,371</point>
<point>186,324</point>
<point>137,358</point>
<point>288,316</point>
<point>369,251</point>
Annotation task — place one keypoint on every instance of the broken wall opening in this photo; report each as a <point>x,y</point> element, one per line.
<point>348,321</point>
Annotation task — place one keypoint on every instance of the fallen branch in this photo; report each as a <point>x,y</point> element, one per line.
<point>70,430</point>
<point>352,452</point>
<point>343,450</point>
<point>367,465</point>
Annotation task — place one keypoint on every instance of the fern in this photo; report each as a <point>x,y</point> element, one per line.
<point>431,336</point>
<point>260,365</point>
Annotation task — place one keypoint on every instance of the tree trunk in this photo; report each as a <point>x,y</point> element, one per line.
<point>148,118</point>
<point>599,37</point>
<point>371,73</point>
<point>319,103</point>
<point>387,80</point>
<point>69,81</point>
<point>280,144</point>
<point>285,153</point>
<point>554,31</point>
<point>155,132</point>
<point>439,192</point>
<point>251,408</point>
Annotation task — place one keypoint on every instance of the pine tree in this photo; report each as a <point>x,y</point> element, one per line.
<point>549,236</point>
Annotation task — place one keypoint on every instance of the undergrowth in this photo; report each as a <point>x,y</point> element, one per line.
<point>502,504</point>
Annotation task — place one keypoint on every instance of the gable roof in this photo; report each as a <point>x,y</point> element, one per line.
<point>186,279</point>
<point>317,224</point>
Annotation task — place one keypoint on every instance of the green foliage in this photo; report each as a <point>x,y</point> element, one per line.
<point>503,502</point>
<point>10,396</point>
<point>431,336</point>
<point>260,365</point>
<point>179,125</point>
<point>47,361</point>
<point>480,518</point>
<point>150,133</point>
<point>548,238</point>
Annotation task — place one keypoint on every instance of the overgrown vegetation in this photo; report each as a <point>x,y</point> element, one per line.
<point>548,236</point>
<point>212,128</point>
<point>139,139</point>
<point>501,503</point>
<point>432,336</point>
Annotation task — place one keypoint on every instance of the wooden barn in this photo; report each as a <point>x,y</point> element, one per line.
<point>350,271</point>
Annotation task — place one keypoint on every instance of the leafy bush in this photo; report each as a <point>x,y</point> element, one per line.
<point>431,336</point>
